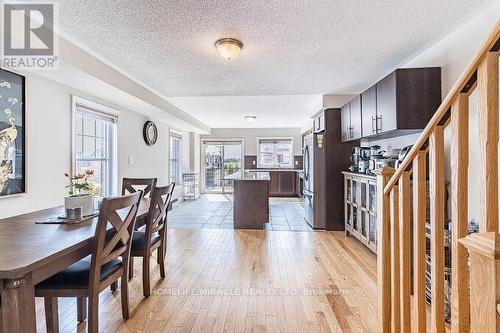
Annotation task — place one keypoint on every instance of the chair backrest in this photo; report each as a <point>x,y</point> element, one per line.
<point>109,244</point>
<point>158,210</point>
<point>129,185</point>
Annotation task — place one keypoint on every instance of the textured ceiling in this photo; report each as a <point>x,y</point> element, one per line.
<point>271,111</point>
<point>291,46</point>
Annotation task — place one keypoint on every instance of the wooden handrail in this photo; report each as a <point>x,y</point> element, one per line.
<point>463,81</point>
<point>470,303</point>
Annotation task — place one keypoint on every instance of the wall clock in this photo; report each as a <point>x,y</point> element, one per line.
<point>150,133</point>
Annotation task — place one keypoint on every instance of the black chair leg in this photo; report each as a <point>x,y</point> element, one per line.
<point>124,297</point>
<point>51,314</point>
<point>93,322</point>
<point>81,309</point>
<point>114,286</point>
<point>161,261</point>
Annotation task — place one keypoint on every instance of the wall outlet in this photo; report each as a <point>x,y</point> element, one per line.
<point>296,162</point>
<point>253,162</point>
<point>130,160</point>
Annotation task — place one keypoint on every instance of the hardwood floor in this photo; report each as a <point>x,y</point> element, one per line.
<point>223,280</point>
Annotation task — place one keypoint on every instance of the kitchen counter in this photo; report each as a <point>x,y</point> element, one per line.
<point>359,174</point>
<point>274,170</point>
<point>250,199</point>
<point>255,175</point>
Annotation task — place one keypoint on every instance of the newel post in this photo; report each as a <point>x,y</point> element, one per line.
<point>383,250</point>
<point>484,254</point>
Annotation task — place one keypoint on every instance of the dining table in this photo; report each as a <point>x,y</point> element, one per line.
<point>30,252</point>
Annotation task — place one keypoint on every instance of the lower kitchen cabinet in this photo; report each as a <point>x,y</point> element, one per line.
<point>283,183</point>
<point>360,195</point>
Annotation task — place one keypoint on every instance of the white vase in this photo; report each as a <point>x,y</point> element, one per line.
<point>86,201</point>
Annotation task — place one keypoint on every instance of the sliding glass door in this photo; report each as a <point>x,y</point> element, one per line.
<point>221,158</point>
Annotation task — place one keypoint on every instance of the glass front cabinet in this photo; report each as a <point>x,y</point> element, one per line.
<point>360,195</point>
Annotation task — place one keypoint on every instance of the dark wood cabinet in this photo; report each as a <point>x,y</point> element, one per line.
<point>274,183</point>
<point>386,104</point>
<point>330,159</point>
<point>351,120</point>
<point>345,123</point>
<point>401,103</point>
<point>319,122</point>
<point>369,110</point>
<point>283,183</point>
<point>288,183</point>
<point>355,106</point>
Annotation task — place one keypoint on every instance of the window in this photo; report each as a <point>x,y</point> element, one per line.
<point>95,140</point>
<point>175,158</point>
<point>275,153</point>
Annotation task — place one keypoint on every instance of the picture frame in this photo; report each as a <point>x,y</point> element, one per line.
<point>12,133</point>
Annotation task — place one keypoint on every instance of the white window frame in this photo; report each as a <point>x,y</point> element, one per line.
<point>100,111</point>
<point>176,135</point>
<point>288,166</point>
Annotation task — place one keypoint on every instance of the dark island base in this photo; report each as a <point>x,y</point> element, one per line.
<point>251,204</point>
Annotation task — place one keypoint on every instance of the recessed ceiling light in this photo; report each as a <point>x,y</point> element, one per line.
<point>250,119</point>
<point>229,48</point>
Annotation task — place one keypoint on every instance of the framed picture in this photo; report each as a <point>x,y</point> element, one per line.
<point>12,134</point>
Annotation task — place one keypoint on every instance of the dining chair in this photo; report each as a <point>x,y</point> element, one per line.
<point>86,278</point>
<point>144,243</point>
<point>130,185</point>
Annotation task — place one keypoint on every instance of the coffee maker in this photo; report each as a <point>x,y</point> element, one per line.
<point>354,159</point>
<point>364,160</point>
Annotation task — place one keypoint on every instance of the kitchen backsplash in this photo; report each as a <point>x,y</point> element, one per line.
<point>251,162</point>
<point>392,143</point>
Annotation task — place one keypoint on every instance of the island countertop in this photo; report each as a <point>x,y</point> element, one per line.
<point>257,176</point>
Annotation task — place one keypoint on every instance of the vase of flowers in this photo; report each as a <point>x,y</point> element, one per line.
<point>80,192</point>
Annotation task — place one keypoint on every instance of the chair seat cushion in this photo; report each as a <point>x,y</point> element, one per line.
<point>139,241</point>
<point>76,276</point>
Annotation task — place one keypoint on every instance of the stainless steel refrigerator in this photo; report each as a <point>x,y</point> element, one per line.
<point>308,156</point>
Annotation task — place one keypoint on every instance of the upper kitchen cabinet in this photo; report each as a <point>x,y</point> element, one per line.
<point>356,118</point>
<point>319,122</point>
<point>345,122</point>
<point>407,99</point>
<point>369,110</point>
<point>401,103</point>
<point>351,120</point>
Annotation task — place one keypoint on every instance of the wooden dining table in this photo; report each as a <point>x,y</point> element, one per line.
<point>31,252</point>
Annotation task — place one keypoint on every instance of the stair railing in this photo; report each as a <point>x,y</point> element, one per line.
<point>403,202</point>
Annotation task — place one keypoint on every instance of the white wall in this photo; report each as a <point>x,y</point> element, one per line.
<point>250,136</point>
<point>48,147</point>
<point>148,161</point>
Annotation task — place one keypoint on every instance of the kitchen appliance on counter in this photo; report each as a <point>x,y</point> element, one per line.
<point>402,155</point>
<point>308,155</point>
<point>380,161</point>
<point>364,159</point>
<point>376,150</point>
<point>355,156</point>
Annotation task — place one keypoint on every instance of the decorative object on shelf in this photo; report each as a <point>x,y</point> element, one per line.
<point>12,136</point>
<point>80,192</point>
<point>150,133</point>
<point>229,48</point>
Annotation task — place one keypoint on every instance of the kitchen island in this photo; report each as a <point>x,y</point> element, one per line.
<point>250,199</point>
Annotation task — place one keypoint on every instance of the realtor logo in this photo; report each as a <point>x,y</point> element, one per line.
<point>29,35</point>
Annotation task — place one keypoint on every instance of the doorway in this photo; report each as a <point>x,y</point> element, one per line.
<point>220,158</point>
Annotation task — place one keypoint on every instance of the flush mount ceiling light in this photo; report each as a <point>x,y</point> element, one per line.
<point>250,119</point>
<point>229,48</point>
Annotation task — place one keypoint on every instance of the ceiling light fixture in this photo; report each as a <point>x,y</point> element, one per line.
<point>229,48</point>
<point>250,119</point>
